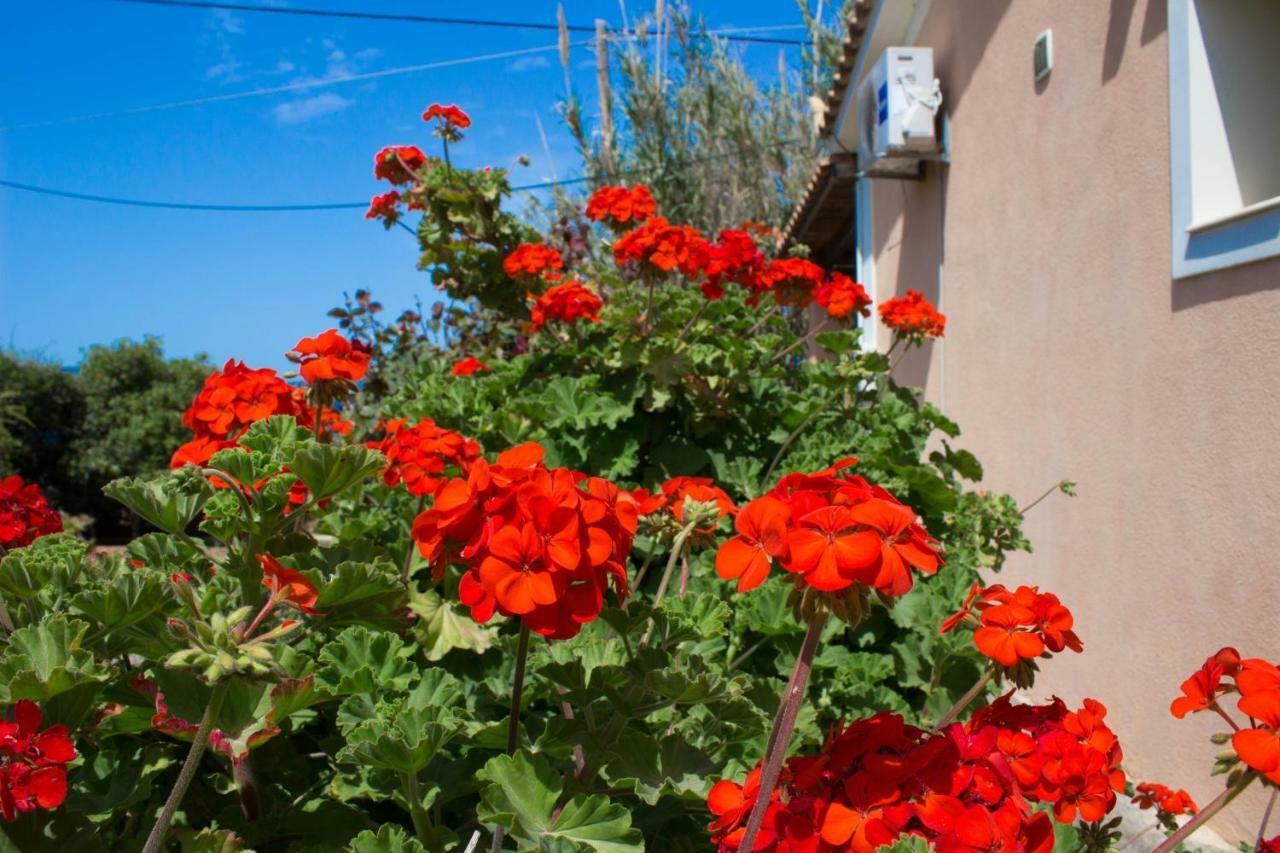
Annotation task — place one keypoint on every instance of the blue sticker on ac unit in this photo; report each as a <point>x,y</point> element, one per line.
<point>882,103</point>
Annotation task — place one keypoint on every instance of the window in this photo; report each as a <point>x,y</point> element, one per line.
<point>1224,111</point>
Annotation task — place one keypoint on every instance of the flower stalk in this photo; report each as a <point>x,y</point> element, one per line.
<point>1219,803</point>
<point>161,829</point>
<point>964,701</point>
<point>513,725</point>
<point>783,726</point>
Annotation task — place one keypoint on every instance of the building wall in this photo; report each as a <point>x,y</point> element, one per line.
<point>1072,353</point>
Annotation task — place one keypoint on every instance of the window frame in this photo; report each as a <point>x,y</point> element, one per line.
<point>1242,237</point>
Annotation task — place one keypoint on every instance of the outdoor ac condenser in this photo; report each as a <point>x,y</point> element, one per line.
<point>898,103</point>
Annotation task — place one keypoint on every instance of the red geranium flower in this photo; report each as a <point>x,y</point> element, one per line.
<point>734,257</point>
<point>424,455</point>
<point>32,762</point>
<point>450,116</point>
<point>1202,688</point>
<point>1015,626</point>
<point>532,260</point>
<point>567,302</point>
<point>398,164</point>
<point>385,207</point>
<point>1166,801</point>
<point>660,247</point>
<point>839,531</point>
<point>842,296</point>
<point>621,206</point>
<point>330,357</point>
<point>537,543</point>
<point>288,584</point>
<point>793,281</point>
<point>913,317</point>
<point>469,366</point>
<point>25,515</point>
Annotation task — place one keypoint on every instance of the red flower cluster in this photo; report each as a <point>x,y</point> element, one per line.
<point>538,543</point>
<point>450,116</point>
<point>25,515</point>
<point>567,302</point>
<point>1167,802</point>
<point>288,584</point>
<point>621,206</point>
<point>385,207</point>
<point>674,492</point>
<point>658,246</point>
<point>912,316</point>
<point>230,400</point>
<point>842,296</point>
<point>968,788</point>
<point>398,164</point>
<point>469,366</point>
<point>1015,626</point>
<point>793,281</point>
<point>330,357</point>
<point>33,772</point>
<point>1270,845</point>
<point>532,260</point>
<point>734,257</point>
<point>1258,683</point>
<point>1201,690</point>
<point>831,530</point>
<point>421,456</point>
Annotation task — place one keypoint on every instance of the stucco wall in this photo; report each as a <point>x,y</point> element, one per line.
<point>1071,353</point>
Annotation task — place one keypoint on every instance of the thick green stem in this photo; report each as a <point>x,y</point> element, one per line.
<point>513,726</point>
<point>421,820</point>
<point>1219,803</point>
<point>963,702</point>
<point>161,830</point>
<point>783,725</point>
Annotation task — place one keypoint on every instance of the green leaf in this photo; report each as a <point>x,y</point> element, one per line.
<point>327,470</point>
<point>364,661</point>
<point>443,626</point>
<point>170,502</point>
<point>126,600</point>
<point>840,342</point>
<point>49,562</point>
<point>703,613</point>
<point>277,434</point>
<point>45,660</point>
<point>390,839</point>
<point>367,593</point>
<point>594,823</point>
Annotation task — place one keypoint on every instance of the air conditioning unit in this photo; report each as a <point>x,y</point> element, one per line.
<point>898,104</point>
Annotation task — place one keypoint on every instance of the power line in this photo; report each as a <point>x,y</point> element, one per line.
<point>344,205</point>
<point>416,19</point>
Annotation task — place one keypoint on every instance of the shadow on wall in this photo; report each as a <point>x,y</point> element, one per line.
<point>1223,284</point>
<point>958,50</point>
<point>1154,22</point>
<point>923,218</point>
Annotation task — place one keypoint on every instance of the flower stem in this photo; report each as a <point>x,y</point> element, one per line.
<point>315,428</point>
<point>1133,839</point>
<point>1224,715</point>
<point>161,830</point>
<point>808,336</point>
<point>764,318</point>
<point>696,314</point>
<point>783,725</point>
<point>963,702</point>
<point>513,726</point>
<point>1219,803</point>
<point>5,621</point>
<point>1048,492</point>
<point>1266,818</point>
<point>408,554</point>
<point>795,433</point>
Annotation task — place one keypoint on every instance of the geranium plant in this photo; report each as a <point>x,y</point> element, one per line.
<point>631,547</point>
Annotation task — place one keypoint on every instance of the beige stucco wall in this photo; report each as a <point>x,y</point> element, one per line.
<point>1072,353</point>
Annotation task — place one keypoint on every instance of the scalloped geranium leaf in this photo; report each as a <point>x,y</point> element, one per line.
<point>327,470</point>
<point>389,839</point>
<point>443,626</point>
<point>125,600</point>
<point>363,593</point>
<point>363,661</point>
<point>170,502</point>
<point>44,660</point>
<point>520,794</point>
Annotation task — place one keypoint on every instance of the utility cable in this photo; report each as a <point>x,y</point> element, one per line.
<point>729,35</point>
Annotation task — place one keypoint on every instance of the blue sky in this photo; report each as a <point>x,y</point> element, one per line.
<point>74,273</point>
